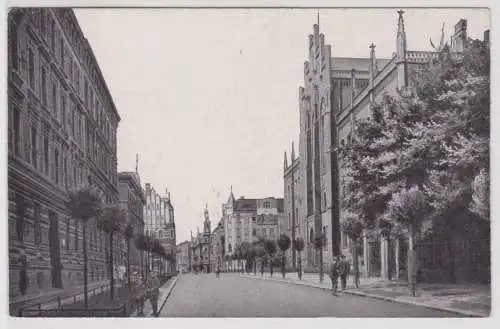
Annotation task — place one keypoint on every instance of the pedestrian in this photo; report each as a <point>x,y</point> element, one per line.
<point>154,292</point>
<point>141,296</point>
<point>334,274</point>
<point>217,271</point>
<point>299,266</point>
<point>344,267</point>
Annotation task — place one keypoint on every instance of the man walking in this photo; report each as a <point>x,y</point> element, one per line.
<point>344,267</point>
<point>334,275</point>
<point>154,292</point>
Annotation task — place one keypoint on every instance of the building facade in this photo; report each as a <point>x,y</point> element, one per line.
<point>159,218</point>
<point>201,246</point>
<point>62,125</point>
<point>217,245</point>
<point>290,223</point>
<point>247,220</point>
<point>183,257</point>
<point>132,201</point>
<point>335,92</point>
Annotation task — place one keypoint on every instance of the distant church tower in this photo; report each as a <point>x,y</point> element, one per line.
<point>206,223</point>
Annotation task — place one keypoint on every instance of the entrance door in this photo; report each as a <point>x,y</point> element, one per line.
<point>55,250</point>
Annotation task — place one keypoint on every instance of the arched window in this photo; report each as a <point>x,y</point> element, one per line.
<point>311,236</point>
<point>267,204</point>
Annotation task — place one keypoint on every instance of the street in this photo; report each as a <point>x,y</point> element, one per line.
<point>232,295</point>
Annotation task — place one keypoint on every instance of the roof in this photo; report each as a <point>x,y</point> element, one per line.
<point>245,204</point>
<point>360,64</point>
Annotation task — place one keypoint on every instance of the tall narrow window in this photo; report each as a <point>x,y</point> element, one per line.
<point>16,130</point>
<point>56,168</point>
<point>61,52</point>
<point>38,226</point>
<point>86,94</point>
<point>14,39</point>
<point>20,212</point>
<point>55,108</point>
<point>76,235</point>
<point>34,146</point>
<point>65,172</point>
<point>31,68</point>
<point>46,154</point>
<point>63,110</point>
<point>44,87</point>
<point>53,35</point>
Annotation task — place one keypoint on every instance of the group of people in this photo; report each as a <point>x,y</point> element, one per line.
<point>339,268</point>
<point>148,289</point>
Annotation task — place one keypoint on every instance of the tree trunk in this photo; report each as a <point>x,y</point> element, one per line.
<point>112,269</point>
<point>283,265</point>
<point>321,264</point>
<point>412,271</point>
<point>85,279</point>
<point>355,262</point>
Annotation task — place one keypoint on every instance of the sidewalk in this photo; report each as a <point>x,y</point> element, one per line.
<point>165,291</point>
<point>48,298</point>
<point>468,300</point>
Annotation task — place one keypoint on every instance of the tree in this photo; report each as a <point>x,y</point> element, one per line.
<point>129,235</point>
<point>270,248</point>
<point>353,228</point>
<point>298,244</point>
<point>245,253</point>
<point>283,244</point>
<point>84,203</point>
<point>140,243</point>
<point>412,167</point>
<point>111,221</point>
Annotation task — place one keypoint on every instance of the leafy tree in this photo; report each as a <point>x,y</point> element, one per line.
<point>111,221</point>
<point>129,235</point>
<point>140,243</point>
<point>85,203</point>
<point>283,243</point>
<point>270,248</point>
<point>298,244</point>
<point>245,252</point>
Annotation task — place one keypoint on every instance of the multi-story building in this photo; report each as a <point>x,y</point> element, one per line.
<point>182,257</point>
<point>336,91</point>
<point>62,125</point>
<point>217,245</point>
<point>250,219</point>
<point>200,246</point>
<point>159,220</point>
<point>289,224</point>
<point>132,200</point>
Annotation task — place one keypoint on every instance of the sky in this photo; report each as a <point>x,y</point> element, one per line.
<point>208,98</point>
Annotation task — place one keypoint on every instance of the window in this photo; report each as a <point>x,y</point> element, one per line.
<point>14,40</point>
<point>56,167</point>
<point>62,116</point>
<point>266,204</point>
<point>68,223</point>
<point>31,68</point>
<point>44,87</point>
<point>34,146</point>
<point>54,100</point>
<point>17,130</point>
<point>38,228</point>
<point>61,53</point>
<point>20,212</point>
<point>46,154</point>
<point>325,237</point>
<point>86,93</point>
<point>65,172</point>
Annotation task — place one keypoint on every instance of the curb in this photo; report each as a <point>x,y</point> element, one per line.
<point>170,288</point>
<point>388,299</point>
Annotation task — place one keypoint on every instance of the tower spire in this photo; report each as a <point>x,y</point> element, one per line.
<point>293,152</point>
<point>285,161</point>
<point>318,17</point>
<point>136,162</point>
